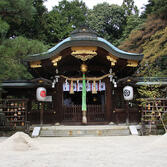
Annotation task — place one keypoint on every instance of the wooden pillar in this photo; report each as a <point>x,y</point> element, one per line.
<point>41,113</point>
<point>108,115</point>
<point>30,97</point>
<point>59,101</point>
<point>127,113</point>
<point>84,107</point>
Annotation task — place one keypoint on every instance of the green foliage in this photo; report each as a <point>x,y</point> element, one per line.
<point>63,19</point>
<point>133,23</point>
<point>16,8</point>
<point>74,12</point>
<point>137,37</point>
<point>12,52</point>
<point>34,28</point>
<point>155,51</point>
<point>104,20</point>
<point>130,7</point>
<point>15,13</point>
<point>57,27</point>
<point>156,46</point>
<point>149,90</point>
<point>4,27</point>
<point>155,14</point>
<point>158,7</point>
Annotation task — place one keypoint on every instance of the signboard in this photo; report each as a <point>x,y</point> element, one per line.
<point>48,98</point>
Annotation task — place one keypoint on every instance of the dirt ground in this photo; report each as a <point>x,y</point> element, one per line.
<point>115,151</point>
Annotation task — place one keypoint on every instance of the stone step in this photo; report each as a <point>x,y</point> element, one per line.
<point>78,131</point>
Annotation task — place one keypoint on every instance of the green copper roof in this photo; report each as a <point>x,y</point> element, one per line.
<point>85,38</point>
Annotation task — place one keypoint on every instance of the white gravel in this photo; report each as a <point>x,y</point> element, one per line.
<point>122,151</point>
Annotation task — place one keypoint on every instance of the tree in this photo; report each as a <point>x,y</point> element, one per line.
<point>34,28</point>
<point>137,37</point>
<point>28,23</point>
<point>157,7</point>
<point>39,22</point>
<point>155,52</point>
<point>12,52</point>
<point>74,12</point>
<point>57,28</point>
<point>130,7</point>
<point>4,27</point>
<point>63,19</point>
<point>107,20</point>
<point>133,23</point>
<point>132,18</point>
<point>15,13</point>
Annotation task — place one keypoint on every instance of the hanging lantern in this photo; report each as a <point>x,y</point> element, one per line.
<point>84,68</point>
<point>41,94</point>
<point>128,92</point>
<point>94,91</point>
<point>71,88</point>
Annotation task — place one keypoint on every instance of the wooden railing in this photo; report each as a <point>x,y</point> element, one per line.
<point>73,113</point>
<point>122,115</point>
<point>96,113</point>
<point>49,112</point>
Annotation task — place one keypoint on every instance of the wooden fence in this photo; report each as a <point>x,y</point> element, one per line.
<point>73,113</point>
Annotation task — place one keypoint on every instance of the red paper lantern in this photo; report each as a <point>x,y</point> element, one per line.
<point>41,94</point>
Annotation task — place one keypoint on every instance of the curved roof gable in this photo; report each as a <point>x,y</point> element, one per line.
<point>85,37</point>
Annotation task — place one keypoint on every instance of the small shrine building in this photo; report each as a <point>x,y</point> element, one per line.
<point>84,76</point>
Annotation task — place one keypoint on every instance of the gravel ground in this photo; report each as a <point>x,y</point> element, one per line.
<point>115,151</point>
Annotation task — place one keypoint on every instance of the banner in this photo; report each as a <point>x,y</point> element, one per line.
<point>100,86</point>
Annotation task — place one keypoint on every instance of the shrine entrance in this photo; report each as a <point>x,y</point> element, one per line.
<point>72,107</point>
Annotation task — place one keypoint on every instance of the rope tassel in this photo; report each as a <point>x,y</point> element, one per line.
<point>94,91</point>
<point>71,88</point>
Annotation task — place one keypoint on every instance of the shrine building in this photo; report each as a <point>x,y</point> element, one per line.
<point>80,81</point>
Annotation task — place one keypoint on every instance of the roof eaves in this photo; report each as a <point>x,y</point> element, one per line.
<point>98,41</point>
<point>121,53</point>
<point>48,54</point>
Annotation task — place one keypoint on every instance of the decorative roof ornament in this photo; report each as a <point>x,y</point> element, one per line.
<point>132,63</point>
<point>84,53</point>
<point>112,59</point>
<point>35,64</point>
<point>56,60</point>
<point>83,32</point>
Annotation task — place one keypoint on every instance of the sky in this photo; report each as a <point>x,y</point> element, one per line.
<point>90,3</point>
